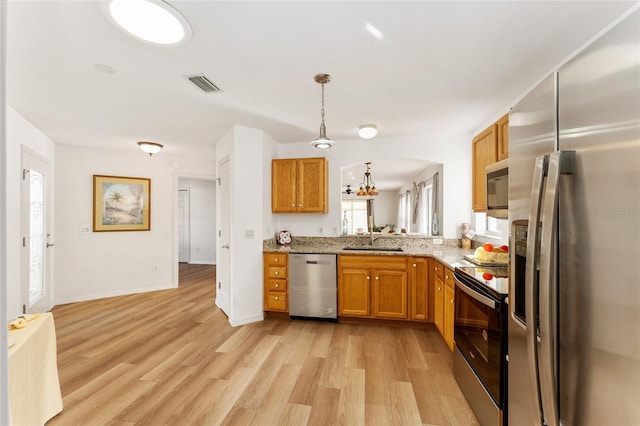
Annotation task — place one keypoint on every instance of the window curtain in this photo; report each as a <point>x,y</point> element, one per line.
<point>435,219</point>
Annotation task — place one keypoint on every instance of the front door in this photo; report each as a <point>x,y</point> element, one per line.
<point>37,241</point>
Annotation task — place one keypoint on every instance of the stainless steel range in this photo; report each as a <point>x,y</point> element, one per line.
<point>480,334</point>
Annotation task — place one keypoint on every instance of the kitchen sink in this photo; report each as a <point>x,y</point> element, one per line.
<point>366,248</point>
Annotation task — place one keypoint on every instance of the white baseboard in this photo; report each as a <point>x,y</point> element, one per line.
<point>126,292</point>
<point>201,262</point>
<point>235,322</point>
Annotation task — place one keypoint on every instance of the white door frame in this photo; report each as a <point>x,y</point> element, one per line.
<point>176,185</point>
<point>223,251</point>
<point>184,225</point>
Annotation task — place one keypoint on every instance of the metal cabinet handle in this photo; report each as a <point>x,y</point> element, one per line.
<point>277,285</point>
<point>377,278</point>
<point>368,278</point>
<point>299,205</point>
<point>293,205</point>
<point>276,260</point>
<point>414,265</point>
<point>277,273</point>
<point>276,297</point>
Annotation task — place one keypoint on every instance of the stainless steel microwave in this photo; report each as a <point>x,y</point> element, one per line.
<point>498,189</point>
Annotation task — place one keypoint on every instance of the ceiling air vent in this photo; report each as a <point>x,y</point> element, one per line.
<point>203,83</point>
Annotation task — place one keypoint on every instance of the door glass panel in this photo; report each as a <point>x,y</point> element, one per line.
<point>36,236</point>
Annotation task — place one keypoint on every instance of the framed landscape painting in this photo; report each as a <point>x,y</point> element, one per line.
<point>121,203</point>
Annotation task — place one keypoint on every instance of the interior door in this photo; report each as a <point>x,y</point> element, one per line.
<point>37,241</point>
<point>223,266</point>
<point>183,226</point>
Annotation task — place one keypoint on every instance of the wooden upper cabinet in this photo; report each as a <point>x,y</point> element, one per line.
<point>299,185</point>
<point>503,137</point>
<point>484,152</point>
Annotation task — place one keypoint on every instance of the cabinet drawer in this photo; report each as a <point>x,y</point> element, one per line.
<point>276,259</point>
<point>448,278</point>
<point>276,301</point>
<point>276,285</point>
<point>439,269</point>
<point>277,272</point>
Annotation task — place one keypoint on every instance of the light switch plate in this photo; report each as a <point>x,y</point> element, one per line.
<point>437,241</point>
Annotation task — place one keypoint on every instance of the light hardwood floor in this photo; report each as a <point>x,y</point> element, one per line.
<point>171,357</point>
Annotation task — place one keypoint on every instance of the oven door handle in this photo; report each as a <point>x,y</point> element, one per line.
<point>477,296</point>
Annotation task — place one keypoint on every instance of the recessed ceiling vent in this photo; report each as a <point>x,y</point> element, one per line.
<point>203,83</point>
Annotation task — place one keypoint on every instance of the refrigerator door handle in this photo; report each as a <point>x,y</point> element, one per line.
<point>531,281</point>
<point>560,163</point>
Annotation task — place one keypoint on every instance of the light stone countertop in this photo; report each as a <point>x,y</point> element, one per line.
<point>448,253</point>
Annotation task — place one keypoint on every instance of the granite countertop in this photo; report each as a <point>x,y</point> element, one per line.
<point>447,253</point>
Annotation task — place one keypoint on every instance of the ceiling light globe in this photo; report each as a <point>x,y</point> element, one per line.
<point>151,21</point>
<point>368,131</point>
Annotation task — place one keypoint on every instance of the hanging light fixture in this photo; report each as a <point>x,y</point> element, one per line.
<point>150,147</point>
<point>323,142</point>
<point>368,186</point>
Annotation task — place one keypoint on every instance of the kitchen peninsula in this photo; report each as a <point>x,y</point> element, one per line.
<point>401,278</point>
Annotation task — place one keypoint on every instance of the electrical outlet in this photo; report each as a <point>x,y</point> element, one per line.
<point>248,233</point>
<point>84,229</point>
<point>335,230</point>
<point>320,230</point>
<point>155,268</point>
<point>437,241</point>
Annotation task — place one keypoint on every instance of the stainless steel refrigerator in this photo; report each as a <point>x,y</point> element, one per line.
<point>574,210</point>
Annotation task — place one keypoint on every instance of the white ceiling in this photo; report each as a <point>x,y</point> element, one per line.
<point>440,65</point>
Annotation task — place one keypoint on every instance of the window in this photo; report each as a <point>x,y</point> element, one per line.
<point>491,226</point>
<point>356,212</point>
<point>404,211</point>
<point>425,213</point>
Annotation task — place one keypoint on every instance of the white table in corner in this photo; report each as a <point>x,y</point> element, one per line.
<point>34,386</point>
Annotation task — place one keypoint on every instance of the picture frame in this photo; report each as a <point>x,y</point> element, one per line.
<point>121,203</point>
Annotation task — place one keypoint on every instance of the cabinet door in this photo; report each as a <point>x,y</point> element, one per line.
<point>312,187</point>
<point>354,292</point>
<point>439,304</point>
<point>449,311</point>
<point>283,185</point>
<point>419,289</point>
<point>484,153</point>
<point>390,294</point>
<point>503,137</point>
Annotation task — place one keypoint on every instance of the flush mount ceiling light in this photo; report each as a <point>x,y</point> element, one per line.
<point>323,142</point>
<point>368,131</point>
<point>151,21</point>
<point>150,147</point>
<point>368,186</point>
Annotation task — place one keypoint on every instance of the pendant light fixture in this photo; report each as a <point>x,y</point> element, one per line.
<point>368,186</point>
<point>150,147</point>
<point>323,142</point>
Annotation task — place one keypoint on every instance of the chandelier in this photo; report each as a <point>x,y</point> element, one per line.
<point>368,186</point>
<point>323,142</point>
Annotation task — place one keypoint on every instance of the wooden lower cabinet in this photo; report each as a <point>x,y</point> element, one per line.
<point>354,292</point>
<point>373,286</point>
<point>276,279</point>
<point>438,297</point>
<point>449,307</point>
<point>419,289</point>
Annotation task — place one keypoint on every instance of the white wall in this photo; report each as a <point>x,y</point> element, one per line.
<point>202,219</point>
<point>22,134</point>
<point>448,147</point>
<point>249,180</point>
<point>91,265</point>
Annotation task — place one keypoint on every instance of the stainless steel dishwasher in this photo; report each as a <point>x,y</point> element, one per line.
<point>313,286</point>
